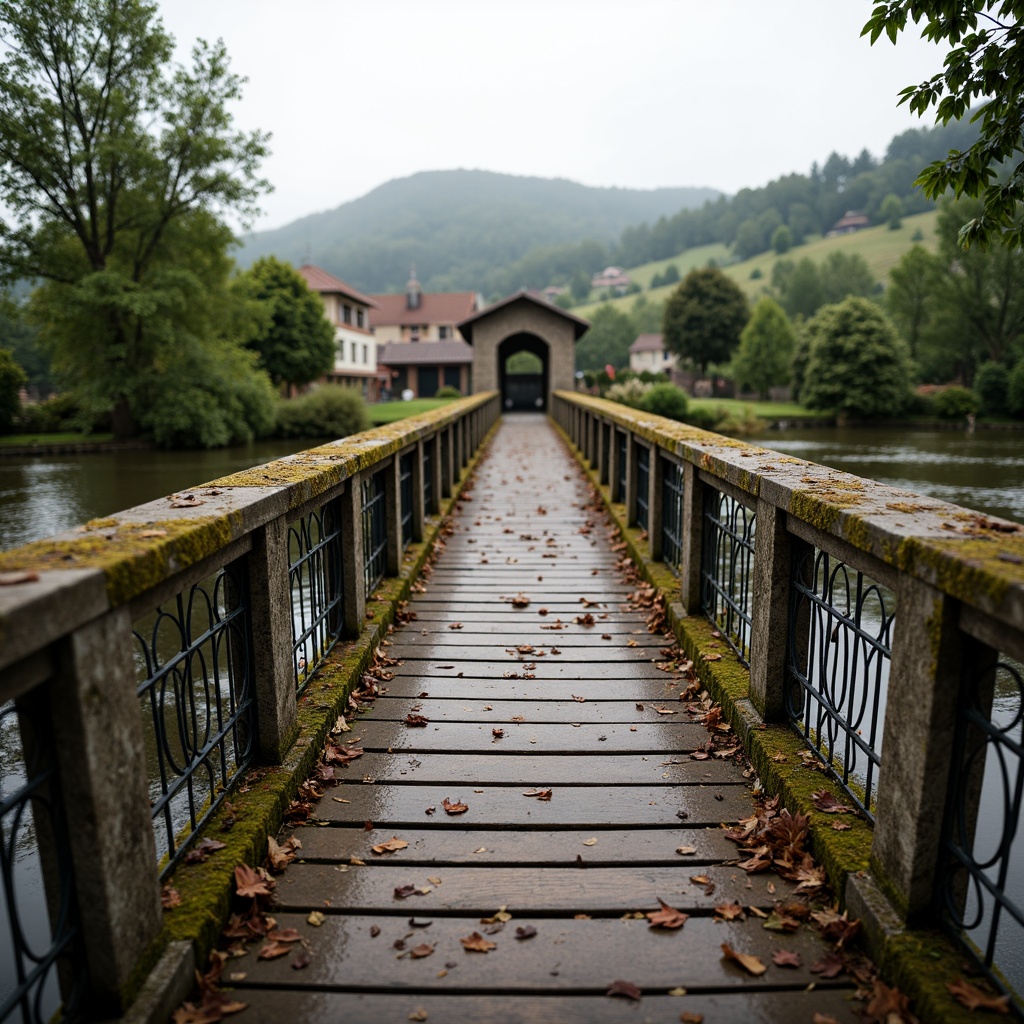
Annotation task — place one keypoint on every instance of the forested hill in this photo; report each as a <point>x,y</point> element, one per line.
<point>464,230</point>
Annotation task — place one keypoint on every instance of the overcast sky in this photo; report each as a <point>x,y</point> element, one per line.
<point>635,93</point>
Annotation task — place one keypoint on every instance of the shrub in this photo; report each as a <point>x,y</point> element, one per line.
<point>665,400</point>
<point>992,385</point>
<point>629,392</point>
<point>447,391</point>
<point>756,274</point>
<point>12,379</point>
<point>1015,391</point>
<point>954,403</point>
<point>329,411</point>
<point>57,414</point>
<point>703,417</point>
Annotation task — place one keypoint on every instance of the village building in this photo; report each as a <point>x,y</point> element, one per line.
<point>419,345</point>
<point>851,221</point>
<point>613,278</point>
<point>648,353</point>
<point>348,310</point>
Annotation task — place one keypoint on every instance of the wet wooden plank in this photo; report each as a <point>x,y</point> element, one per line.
<point>661,687</point>
<point>525,891</point>
<point>551,711</point>
<point>622,672</point>
<point>542,770</point>
<point>530,737</point>
<point>474,635</point>
<point>566,955</point>
<point>456,846</point>
<point>390,806</point>
<point>760,1007</point>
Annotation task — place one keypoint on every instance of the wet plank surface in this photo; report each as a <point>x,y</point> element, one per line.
<point>582,812</point>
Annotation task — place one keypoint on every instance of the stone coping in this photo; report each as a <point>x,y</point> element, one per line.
<point>80,574</point>
<point>975,558</point>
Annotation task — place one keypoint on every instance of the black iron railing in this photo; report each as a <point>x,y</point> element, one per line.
<point>375,533</point>
<point>40,945</point>
<point>643,483</point>
<point>428,479</point>
<point>671,514</point>
<point>727,561</point>
<point>315,581</point>
<point>195,686</point>
<point>405,495</point>
<point>981,890</point>
<point>837,667</point>
<point>622,441</point>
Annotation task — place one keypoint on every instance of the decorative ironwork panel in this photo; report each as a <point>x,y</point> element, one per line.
<point>428,478</point>
<point>671,514</point>
<point>622,442</point>
<point>727,562</point>
<point>643,484</point>
<point>606,442</point>
<point>194,664</point>
<point>837,667</point>
<point>445,461</point>
<point>35,946</point>
<point>981,890</point>
<point>314,578</point>
<point>405,495</point>
<point>375,531</point>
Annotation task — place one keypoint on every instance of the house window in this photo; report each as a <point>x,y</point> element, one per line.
<point>444,332</point>
<point>366,354</point>
<point>346,314</point>
<point>360,317</point>
<point>352,351</point>
<point>414,332</point>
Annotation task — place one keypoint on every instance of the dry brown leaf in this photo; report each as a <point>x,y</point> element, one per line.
<point>476,943</point>
<point>540,794</point>
<point>828,804</point>
<point>750,963</point>
<point>420,951</point>
<point>730,911</point>
<point>666,917</point>
<point>316,918</point>
<point>251,883</point>
<point>391,846</point>
<point>784,958</point>
<point>454,808</point>
<point>272,950</point>
<point>975,998</point>
<point>626,989</point>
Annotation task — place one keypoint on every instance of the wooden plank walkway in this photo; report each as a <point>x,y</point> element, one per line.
<point>577,712</point>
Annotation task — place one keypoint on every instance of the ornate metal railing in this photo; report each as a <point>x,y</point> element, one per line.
<point>916,710</point>
<point>154,658</point>
<point>315,581</point>
<point>837,667</point>
<point>727,568</point>
<point>643,484</point>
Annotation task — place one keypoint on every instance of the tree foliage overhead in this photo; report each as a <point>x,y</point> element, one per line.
<point>704,317</point>
<point>110,159</point>
<point>296,342</point>
<point>986,63</point>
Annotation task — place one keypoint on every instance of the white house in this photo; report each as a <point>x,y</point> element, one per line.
<point>648,353</point>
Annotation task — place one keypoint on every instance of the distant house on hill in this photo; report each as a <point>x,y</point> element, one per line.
<point>612,277</point>
<point>419,344</point>
<point>348,310</point>
<point>648,353</point>
<point>851,221</point>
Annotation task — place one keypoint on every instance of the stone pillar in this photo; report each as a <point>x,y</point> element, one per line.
<point>352,573</point>
<point>419,510</point>
<point>97,731</point>
<point>693,535</point>
<point>920,720</point>
<point>273,662</point>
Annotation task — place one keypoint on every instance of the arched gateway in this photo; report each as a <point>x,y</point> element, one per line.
<point>523,324</point>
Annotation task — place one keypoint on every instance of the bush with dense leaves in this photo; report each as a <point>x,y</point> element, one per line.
<point>12,379</point>
<point>992,385</point>
<point>329,411</point>
<point>665,400</point>
<point>447,391</point>
<point>955,403</point>
<point>58,414</point>
<point>1015,391</point>
<point>628,392</point>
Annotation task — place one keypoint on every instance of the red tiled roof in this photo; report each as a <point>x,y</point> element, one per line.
<point>434,308</point>
<point>648,343</point>
<point>424,353</point>
<point>320,281</point>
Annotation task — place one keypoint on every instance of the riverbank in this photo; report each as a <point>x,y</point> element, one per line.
<point>21,446</point>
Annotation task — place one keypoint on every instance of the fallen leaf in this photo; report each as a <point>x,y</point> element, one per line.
<point>686,850</point>
<point>476,943</point>
<point>284,935</point>
<point>10,579</point>
<point>202,850</point>
<point>751,964</point>
<point>252,882</point>
<point>840,826</point>
<point>456,808</point>
<point>185,501</point>
<point>781,923</point>
<point>281,855</point>
<point>975,998</point>
<point>784,958</point>
<point>416,721</point>
<point>316,918</point>
<point>273,950</point>
<point>525,931</point>
<point>540,794</point>
<point>420,951</point>
<point>689,1017</point>
<point>455,625</point>
<point>827,803</point>
<point>890,1004</point>
<point>626,989</point>
<point>520,601</point>
<point>590,842</point>
<point>404,891</point>
<point>831,967</point>
<point>730,911</point>
<point>419,1014</point>
<point>667,917</point>
<point>152,534</point>
<point>302,961</point>
<point>391,846</point>
<point>500,916</point>
<point>711,657</point>
<point>169,897</point>
<point>497,733</point>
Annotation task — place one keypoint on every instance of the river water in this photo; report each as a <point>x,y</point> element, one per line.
<point>45,495</point>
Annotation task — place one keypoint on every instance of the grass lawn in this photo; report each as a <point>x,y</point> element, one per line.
<point>12,440</point>
<point>388,412</point>
<point>763,410</point>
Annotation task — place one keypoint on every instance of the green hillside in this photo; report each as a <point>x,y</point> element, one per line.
<point>881,247</point>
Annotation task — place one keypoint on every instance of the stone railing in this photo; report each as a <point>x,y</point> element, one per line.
<point>149,659</point>
<point>886,628</point>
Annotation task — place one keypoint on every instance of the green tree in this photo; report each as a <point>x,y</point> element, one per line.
<point>296,342</point>
<point>910,297</point>
<point>845,274</point>
<point>798,286</point>
<point>986,62</point>
<point>608,340</point>
<point>782,240</point>
<point>1015,390</point>
<point>12,380</point>
<point>766,348</point>
<point>108,153</point>
<point>858,364</point>
<point>892,211</point>
<point>992,385</point>
<point>704,317</point>
<point>22,338</point>
<point>579,285</point>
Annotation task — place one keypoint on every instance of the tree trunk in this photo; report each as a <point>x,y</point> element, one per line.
<point>123,421</point>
